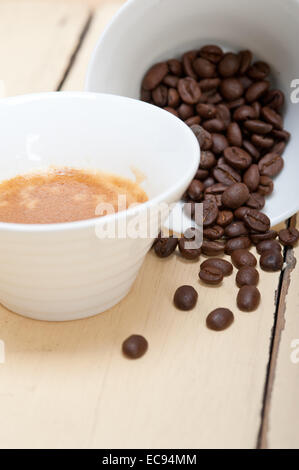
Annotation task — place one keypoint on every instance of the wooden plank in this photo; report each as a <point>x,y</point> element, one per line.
<point>37,40</point>
<point>282,414</point>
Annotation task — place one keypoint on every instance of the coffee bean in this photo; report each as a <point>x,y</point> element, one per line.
<point>252,178</point>
<point>185,111</point>
<point>172,111</point>
<point>238,243</point>
<point>281,134</point>
<point>247,276</point>
<point>289,236</point>
<point>237,158</point>
<point>256,201</point>
<point>216,189</point>
<point>225,174</point>
<point>175,67</point>
<point>206,111</point>
<point>216,198</point>
<point>173,98</point>
<point>189,90</point>
<point>213,233</point>
<point>274,99</point>
<point>257,109</point>
<point>204,68</point>
<point>211,275</point>
<point>231,89</point>
<point>220,319</point>
<point>154,76</point>
<point>146,95</point>
<point>216,98</point>
<point>259,237</point>
<point>188,253</point>
<point>256,91</point>
<point>235,196</point>
<point>224,218</point>
<point>207,160</point>
<point>234,135</point>
<point>171,81</point>
<point>214,125</point>
<point>212,53</point>
<point>257,221</point>
<point>248,298</point>
<point>201,174</point>
<point>270,165</point>
<point>246,58</point>
<point>268,245</point>
<point>220,143</point>
<point>279,148</point>
<point>204,138</point>
<point>160,96</point>
<point>236,229</point>
<point>193,120</point>
<point>229,65</point>
<point>246,82</point>
<point>188,59</point>
<point>209,182</point>
<point>164,247</point>
<point>262,142</point>
<point>271,261</point>
<point>242,258</point>
<point>210,213</point>
<point>221,264</point>
<point>185,298</point>
<point>272,117</point>
<point>251,149</point>
<point>241,212</point>
<point>266,186</point>
<point>212,248</point>
<point>134,347</point>
<point>259,71</point>
<point>195,190</point>
<point>258,127</point>
<point>223,113</point>
<point>209,84</point>
<point>244,113</point>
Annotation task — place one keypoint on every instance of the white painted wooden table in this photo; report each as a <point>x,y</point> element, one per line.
<point>67,385</point>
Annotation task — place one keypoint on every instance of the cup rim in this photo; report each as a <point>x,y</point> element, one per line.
<point>88,223</point>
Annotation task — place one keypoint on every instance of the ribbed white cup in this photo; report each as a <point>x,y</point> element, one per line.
<point>59,272</point>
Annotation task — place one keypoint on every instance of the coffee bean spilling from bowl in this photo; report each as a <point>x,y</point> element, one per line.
<point>228,102</point>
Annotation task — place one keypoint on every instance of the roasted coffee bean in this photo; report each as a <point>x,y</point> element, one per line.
<point>173,98</point>
<point>257,221</point>
<point>160,96</point>
<point>241,212</point>
<point>279,148</point>
<point>214,125</point>
<point>185,111</point>
<point>271,261</point>
<point>213,233</point>
<point>270,165</point>
<point>210,213</point>
<point>266,186</point>
<point>259,237</point>
<point>216,198</point>
<point>220,319</point>
<point>246,82</point>
<point>235,196</point>
<point>256,91</point>
<point>231,89</point>
<point>206,111</point>
<point>212,248</point>
<point>193,121</point>
<point>212,53</point>
<point>208,182</point>
<point>236,103</point>
<point>274,99</point>
<point>256,201</point>
<point>223,113</point>
<point>216,98</point>
<point>201,174</point>
<point>216,189</point>
<point>134,347</point>
<point>175,67</point>
<point>211,275</point>
<point>225,218</point>
<point>259,71</point>
<point>189,90</point>
<point>207,160</point>
<point>252,178</point>
<point>229,65</point>
<point>234,135</point>
<point>188,59</point>
<point>236,229</point>
<point>237,158</point>
<point>242,258</point>
<point>246,58</point>
<point>225,174</point>
<point>186,252</point>
<point>263,142</point>
<point>164,247</point>
<point>248,298</point>
<point>224,266</point>
<point>172,111</point>
<point>251,149</point>
<point>185,298</point>
<point>247,276</point>
<point>146,95</point>
<point>281,134</point>
<point>154,76</point>
<point>204,138</point>
<point>257,109</point>
<point>268,245</point>
<point>271,116</point>
<point>171,81</point>
<point>220,143</point>
<point>289,236</point>
<point>204,68</point>
<point>208,84</point>
<point>258,127</point>
<point>195,190</point>
<point>239,243</point>
<point>244,113</point>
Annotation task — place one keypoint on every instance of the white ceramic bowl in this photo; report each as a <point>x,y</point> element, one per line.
<point>147,31</point>
<point>65,271</point>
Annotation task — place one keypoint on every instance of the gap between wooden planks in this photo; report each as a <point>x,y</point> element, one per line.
<point>193,389</point>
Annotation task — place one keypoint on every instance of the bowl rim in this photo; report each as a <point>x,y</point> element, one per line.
<point>194,158</point>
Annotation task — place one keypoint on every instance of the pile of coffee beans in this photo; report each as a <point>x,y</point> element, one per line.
<point>227,101</point>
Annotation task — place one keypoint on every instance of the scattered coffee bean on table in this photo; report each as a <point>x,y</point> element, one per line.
<point>135,347</point>
<point>185,298</point>
<point>220,319</point>
<point>237,118</point>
